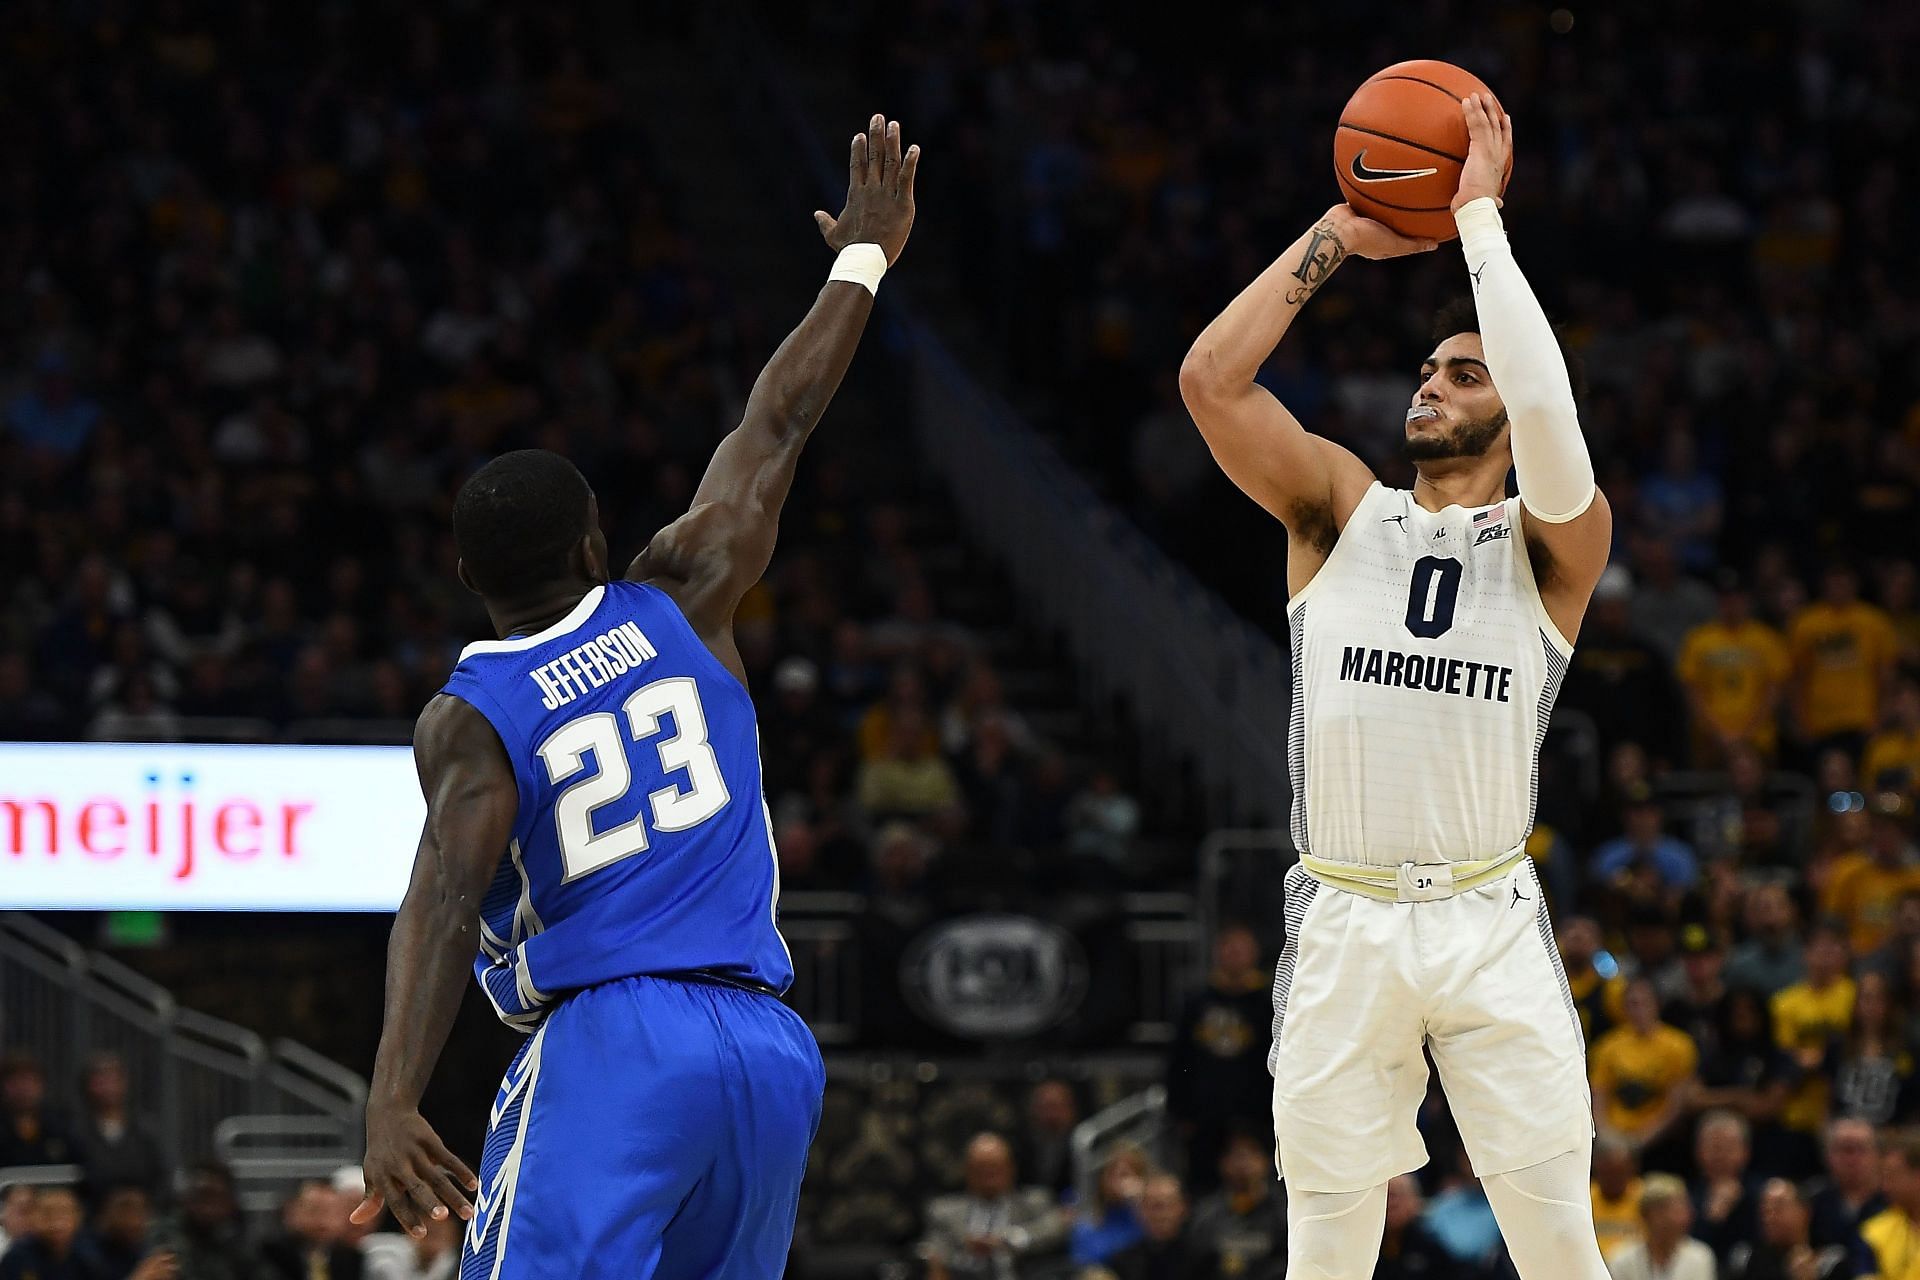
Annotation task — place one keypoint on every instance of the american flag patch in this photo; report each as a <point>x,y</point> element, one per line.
<point>1490,516</point>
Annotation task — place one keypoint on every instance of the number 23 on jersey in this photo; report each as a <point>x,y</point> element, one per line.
<point>606,734</point>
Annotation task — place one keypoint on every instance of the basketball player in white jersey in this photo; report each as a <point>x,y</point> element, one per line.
<point>1430,629</point>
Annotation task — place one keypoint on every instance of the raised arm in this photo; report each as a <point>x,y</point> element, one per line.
<point>709,557</point>
<point>1565,511</point>
<point>1310,483</point>
<point>471,801</point>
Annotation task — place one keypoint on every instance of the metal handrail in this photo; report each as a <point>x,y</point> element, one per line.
<point>39,1175</point>
<point>295,1060</point>
<point>1093,1136</point>
<point>56,946</point>
<point>228,1134</point>
<point>268,1154</point>
<point>134,987</point>
<point>191,1070</point>
<point>220,1034</point>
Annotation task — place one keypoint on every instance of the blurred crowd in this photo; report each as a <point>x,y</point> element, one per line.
<point>267,301</point>
<point>1755,1102</point>
<point>92,1195</point>
<point>58,1231</point>
<point>269,296</point>
<point>1731,1221</point>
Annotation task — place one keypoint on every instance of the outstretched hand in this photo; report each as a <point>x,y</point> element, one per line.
<point>1489,150</point>
<point>879,207</point>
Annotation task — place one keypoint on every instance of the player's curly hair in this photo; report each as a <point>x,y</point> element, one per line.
<point>516,519</point>
<point>1459,315</point>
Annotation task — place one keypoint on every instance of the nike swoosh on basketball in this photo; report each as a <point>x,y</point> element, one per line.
<point>1363,174</point>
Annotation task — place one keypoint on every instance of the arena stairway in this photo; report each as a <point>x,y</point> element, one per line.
<point>752,218</point>
<point>273,1110</point>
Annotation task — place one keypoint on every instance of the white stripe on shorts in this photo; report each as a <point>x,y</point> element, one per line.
<point>508,1182</point>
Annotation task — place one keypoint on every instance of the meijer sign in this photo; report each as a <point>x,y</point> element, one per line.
<point>119,826</point>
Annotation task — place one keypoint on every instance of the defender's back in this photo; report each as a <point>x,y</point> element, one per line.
<point>643,843</point>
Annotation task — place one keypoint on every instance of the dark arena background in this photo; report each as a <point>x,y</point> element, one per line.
<point>274,278</point>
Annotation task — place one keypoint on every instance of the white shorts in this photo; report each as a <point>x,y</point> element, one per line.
<point>1363,985</point>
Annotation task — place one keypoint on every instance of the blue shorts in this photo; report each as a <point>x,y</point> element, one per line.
<point>651,1128</point>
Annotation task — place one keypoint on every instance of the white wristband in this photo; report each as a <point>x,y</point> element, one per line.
<point>863,264</point>
<point>1481,230</point>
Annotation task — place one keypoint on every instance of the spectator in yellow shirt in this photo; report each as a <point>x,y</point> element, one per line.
<point>906,699</point>
<point>911,779</point>
<point>1864,892</point>
<point>1842,650</point>
<point>1893,1234</point>
<point>1735,670</point>
<point>1841,851</point>
<point>1809,1019</point>
<point>1642,1071</point>
<point>1616,1196</point>
<point>1892,759</point>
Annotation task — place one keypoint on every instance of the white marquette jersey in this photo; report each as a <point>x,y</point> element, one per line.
<point>1424,671</point>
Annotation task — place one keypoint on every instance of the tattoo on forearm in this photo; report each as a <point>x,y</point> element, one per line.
<point>1324,253</point>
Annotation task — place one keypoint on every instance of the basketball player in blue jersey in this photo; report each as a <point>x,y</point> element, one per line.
<point>595,831</point>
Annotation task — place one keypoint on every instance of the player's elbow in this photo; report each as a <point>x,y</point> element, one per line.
<point>789,419</point>
<point>1200,377</point>
<point>1207,392</point>
<point>783,409</point>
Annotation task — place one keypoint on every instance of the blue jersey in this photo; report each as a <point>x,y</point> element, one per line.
<point>643,843</point>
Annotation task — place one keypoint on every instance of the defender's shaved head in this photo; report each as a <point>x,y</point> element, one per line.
<point>518,518</point>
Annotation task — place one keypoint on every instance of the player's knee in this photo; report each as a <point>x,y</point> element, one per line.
<point>1556,1231</point>
<point>1321,1255</point>
<point>1557,1244</point>
<point>1546,1217</point>
<point>1333,1235</point>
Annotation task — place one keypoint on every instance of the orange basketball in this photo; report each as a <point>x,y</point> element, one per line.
<point>1401,144</point>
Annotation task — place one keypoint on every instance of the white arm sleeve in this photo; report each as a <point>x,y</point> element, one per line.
<point>1549,454</point>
